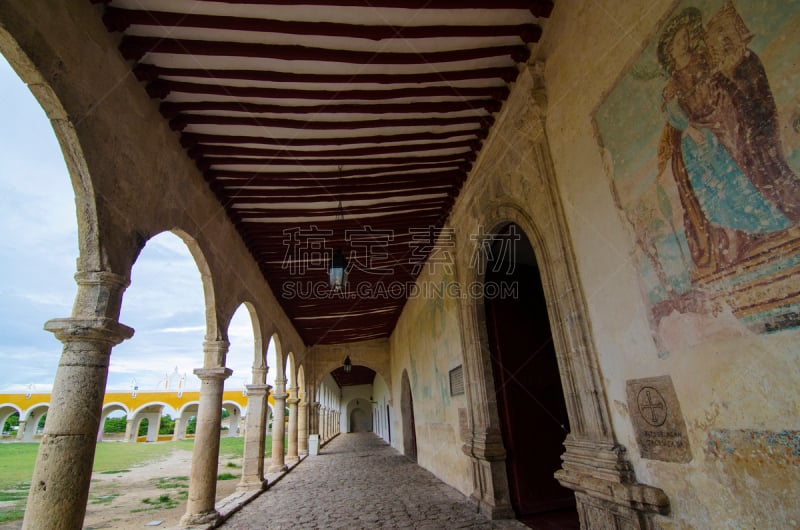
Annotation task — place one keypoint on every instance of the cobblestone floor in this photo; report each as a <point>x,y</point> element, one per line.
<point>358,481</point>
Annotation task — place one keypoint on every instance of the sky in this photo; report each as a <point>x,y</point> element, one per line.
<point>164,303</point>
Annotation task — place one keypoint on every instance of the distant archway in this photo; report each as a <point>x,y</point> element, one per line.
<point>359,421</point>
<point>407,411</point>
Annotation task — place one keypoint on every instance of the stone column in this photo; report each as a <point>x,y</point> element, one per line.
<point>278,429</point>
<point>205,455</point>
<point>254,437</point>
<point>313,418</point>
<point>302,428</point>
<point>63,471</point>
<point>291,450</point>
<point>21,429</point>
<point>178,434</point>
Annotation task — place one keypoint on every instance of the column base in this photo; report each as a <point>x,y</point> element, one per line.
<point>493,511</point>
<point>191,519</point>
<point>278,469</point>
<point>250,485</point>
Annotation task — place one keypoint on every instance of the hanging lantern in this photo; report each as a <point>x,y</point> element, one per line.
<point>337,272</point>
<point>348,366</point>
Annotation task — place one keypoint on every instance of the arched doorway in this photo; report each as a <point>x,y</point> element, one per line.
<point>407,411</point>
<point>530,398</point>
<point>359,421</point>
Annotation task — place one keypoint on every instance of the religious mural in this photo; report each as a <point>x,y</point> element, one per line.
<point>701,139</point>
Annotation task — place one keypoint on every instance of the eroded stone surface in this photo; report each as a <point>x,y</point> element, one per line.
<point>358,481</point>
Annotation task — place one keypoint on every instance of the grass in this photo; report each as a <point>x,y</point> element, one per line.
<point>15,514</point>
<point>104,499</point>
<point>111,458</point>
<point>166,483</point>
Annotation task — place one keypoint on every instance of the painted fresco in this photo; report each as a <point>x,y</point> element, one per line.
<point>701,139</point>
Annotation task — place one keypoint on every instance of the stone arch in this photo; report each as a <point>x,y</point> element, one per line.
<point>257,368</point>
<point>234,419</point>
<point>302,390</point>
<point>407,413</point>
<point>586,402</point>
<point>278,369</point>
<point>291,377</point>
<point>108,409</point>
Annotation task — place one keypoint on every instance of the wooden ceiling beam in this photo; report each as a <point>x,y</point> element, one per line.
<point>183,121</point>
<point>151,72</point>
<point>134,48</point>
<point>161,88</point>
<point>330,181</point>
<point>172,109</point>
<point>192,139</point>
<point>117,19</point>
<point>399,161</point>
<point>224,150</point>
<point>539,8</point>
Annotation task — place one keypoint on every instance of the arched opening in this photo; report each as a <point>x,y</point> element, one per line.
<point>166,305</point>
<point>529,395</point>
<point>113,421</point>
<point>242,331</point>
<point>359,421</point>
<point>9,421</point>
<point>407,412</point>
<point>39,222</point>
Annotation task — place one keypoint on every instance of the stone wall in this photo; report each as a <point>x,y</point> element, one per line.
<point>731,391</point>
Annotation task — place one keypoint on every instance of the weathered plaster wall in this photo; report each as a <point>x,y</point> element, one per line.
<point>738,391</point>
<point>427,343</point>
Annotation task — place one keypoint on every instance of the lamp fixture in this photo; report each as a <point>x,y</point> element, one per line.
<point>337,271</point>
<point>348,366</point>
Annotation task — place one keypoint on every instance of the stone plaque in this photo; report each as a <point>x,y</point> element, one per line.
<point>657,419</point>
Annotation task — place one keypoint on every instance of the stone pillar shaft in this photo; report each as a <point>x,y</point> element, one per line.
<point>255,437</point>
<point>302,428</point>
<point>291,450</point>
<point>278,430</point>
<point>313,418</point>
<point>63,471</point>
<point>205,455</point>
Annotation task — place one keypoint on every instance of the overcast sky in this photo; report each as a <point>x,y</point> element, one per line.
<point>164,303</point>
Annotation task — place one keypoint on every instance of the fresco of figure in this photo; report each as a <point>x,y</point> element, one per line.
<point>722,140</point>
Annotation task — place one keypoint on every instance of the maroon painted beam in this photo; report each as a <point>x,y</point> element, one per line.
<point>183,121</point>
<point>117,19</point>
<point>225,150</point>
<point>171,109</point>
<point>134,48</point>
<point>151,72</point>
<point>383,161</point>
<point>398,176</point>
<point>192,139</point>
<point>539,8</point>
<point>161,88</point>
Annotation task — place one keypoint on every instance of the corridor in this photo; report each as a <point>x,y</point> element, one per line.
<point>358,481</point>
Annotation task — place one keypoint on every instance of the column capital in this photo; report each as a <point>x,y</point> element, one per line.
<point>221,373</point>
<point>258,390</point>
<point>292,401</point>
<point>279,395</point>
<point>103,329</point>
<point>214,352</point>
<point>314,405</point>
<point>101,278</point>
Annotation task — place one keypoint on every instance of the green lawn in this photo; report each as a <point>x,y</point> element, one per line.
<point>17,459</point>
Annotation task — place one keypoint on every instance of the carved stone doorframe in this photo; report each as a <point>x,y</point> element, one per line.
<point>594,464</point>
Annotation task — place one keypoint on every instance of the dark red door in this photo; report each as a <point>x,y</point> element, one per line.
<point>530,398</point>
